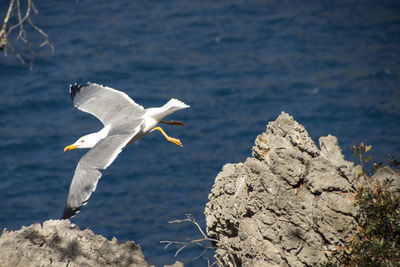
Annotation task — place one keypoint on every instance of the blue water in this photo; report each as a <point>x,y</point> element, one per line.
<point>333,65</point>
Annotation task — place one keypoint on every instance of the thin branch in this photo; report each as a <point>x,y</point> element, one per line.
<point>10,8</point>
<point>200,242</point>
<point>16,54</point>
<point>3,35</point>
<point>34,8</point>
<point>45,35</point>
<point>21,21</point>
<point>202,254</point>
<point>22,32</point>
<point>15,6</point>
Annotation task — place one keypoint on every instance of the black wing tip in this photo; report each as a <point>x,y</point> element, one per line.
<point>76,88</point>
<point>69,212</point>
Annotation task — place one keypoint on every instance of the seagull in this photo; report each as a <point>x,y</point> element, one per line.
<point>124,123</point>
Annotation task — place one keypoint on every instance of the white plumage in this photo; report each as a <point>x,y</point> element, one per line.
<point>124,122</point>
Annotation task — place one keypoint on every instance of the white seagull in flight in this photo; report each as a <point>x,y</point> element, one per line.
<point>124,122</point>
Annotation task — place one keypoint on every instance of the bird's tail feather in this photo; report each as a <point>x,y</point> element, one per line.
<point>175,103</point>
<point>171,106</point>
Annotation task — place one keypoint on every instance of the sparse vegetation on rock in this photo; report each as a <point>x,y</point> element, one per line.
<point>292,204</point>
<point>376,242</point>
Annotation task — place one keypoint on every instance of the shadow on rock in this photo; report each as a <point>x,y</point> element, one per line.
<point>287,205</point>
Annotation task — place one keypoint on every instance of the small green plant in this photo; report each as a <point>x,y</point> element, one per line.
<point>361,153</point>
<point>377,239</point>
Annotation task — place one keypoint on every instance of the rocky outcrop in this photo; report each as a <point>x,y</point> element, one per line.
<point>290,204</point>
<point>60,243</point>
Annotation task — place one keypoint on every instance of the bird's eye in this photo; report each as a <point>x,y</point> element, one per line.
<point>82,141</point>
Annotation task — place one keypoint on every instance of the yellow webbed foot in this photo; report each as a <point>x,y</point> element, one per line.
<point>175,141</point>
<point>170,139</point>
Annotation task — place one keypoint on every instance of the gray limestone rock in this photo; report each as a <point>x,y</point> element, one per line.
<point>385,173</point>
<point>288,205</point>
<point>60,243</point>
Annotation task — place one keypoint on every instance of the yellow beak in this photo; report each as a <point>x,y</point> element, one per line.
<point>70,147</point>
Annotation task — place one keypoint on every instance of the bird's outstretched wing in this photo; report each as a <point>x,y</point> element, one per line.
<point>87,172</point>
<point>104,102</point>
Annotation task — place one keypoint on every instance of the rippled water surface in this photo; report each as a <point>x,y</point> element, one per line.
<point>333,65</point>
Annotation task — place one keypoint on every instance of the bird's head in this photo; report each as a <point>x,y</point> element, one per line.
<point>87,141</point>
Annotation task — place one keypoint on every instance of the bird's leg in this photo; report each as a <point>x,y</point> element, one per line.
<point>171,139</point>
<point>173,122</point>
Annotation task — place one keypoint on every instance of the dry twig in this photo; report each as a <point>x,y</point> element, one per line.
<point>15,7</point>
<point>200,242</point>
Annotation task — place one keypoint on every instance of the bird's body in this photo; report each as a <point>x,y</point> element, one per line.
<point>124,123</point>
